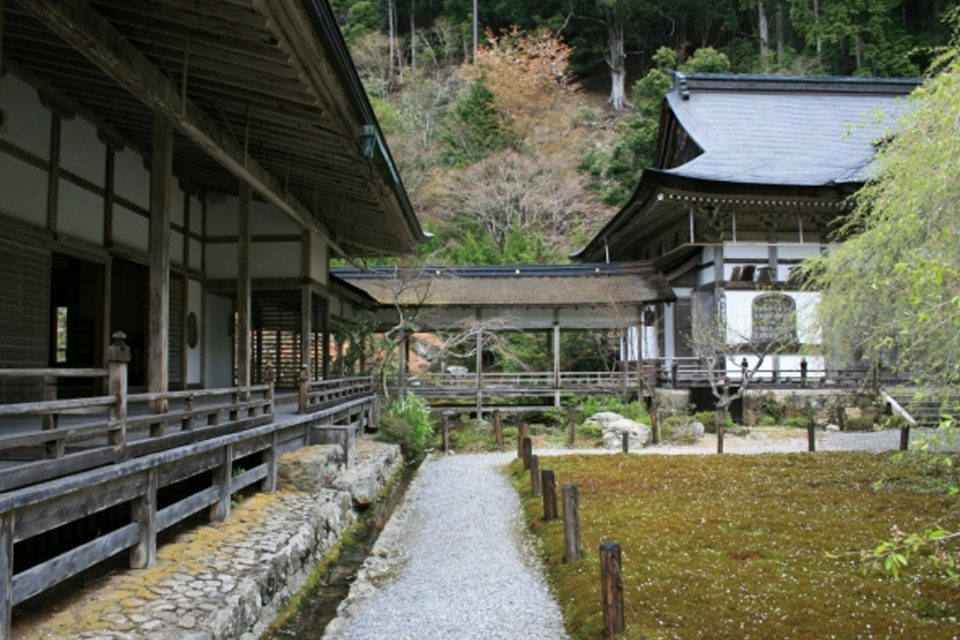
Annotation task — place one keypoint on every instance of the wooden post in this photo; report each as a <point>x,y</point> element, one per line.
<point>269,377</point>
<point>571,524</point>
<point>498,428</point>
<point>571,427</point>
<point>303,398</point>
<point>625,436</point>
<point>549,486</point>
<point>535,475</point>
<point>904,438</point>
<point>118,355</point>
<point>556,361</point>
<point>55,448</point>
<point>186,424</point>
<point>479,351</point>
<point>527,452</point>
<point>811,437</point>
<point>144,553</point>
<point>269,483</point>
<point>521,434</point>
<point>611,589</point>
<point>223,477</point>
<point>161,180</point>
<point>7,520</point>
<point>721,418</point>
<point>244,286</point>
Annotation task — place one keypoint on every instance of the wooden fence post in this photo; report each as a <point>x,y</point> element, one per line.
<point>144,553</point>
<point>303,397</point>
<point>549,486</point>
<point>7,519</point>
<point>905,438</point>
<point>118,355</point>
<point>625,436</point>
<point>527,452</point>
<point>223,476</point>
<point>611,589</point>
<point>571,524</point>
<point>521,434</point>
<point>811,437</point>
<point>269,484</point>
<point>498,428</point>
<point>535,475</point>
<point>54,449</point>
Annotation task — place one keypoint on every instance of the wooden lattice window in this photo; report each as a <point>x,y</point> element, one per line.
<point>774,319</point>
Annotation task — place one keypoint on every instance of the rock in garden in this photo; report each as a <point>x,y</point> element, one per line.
<point>614,426</point>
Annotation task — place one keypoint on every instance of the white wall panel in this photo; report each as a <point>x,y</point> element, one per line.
<point>222,215</point>
<point>221,261</point>
<point>28,121</point>
<point>319,259</point>
<point>131,229</point>
<point>80,213</point>
<point>266,219</point>
<point>219,343</point>
<point>24,189</point>
<point>275,260</point>
<point>195,306</point>
<point>81,152</point>
<point>132,180</point>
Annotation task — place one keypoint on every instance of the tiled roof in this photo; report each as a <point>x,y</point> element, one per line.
<point>783,130</point>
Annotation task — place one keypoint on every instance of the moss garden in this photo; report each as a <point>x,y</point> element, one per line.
<point>742,546</point>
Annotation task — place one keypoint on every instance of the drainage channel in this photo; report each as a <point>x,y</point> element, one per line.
<point>320,607</point>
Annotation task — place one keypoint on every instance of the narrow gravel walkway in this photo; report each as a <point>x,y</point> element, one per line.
<point>453,562</point>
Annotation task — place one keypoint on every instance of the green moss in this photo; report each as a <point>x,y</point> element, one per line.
<point>735,546</point>
<point>862,423</point>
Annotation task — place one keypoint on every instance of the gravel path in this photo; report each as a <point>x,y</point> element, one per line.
<point>453,562</point>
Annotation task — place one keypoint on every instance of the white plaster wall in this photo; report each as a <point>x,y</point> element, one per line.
<point>130,229</point>
<point>221,261</point>
<point>275,260</point>
<point>81,152</point>
<point>132,180</point>
<point>194,355</point>
<point>28,122</point>
<point>196,215</point>
<point>24,189</point>
<point>740,315</point>
<point>736,251</point>
<point>319,259</point>
<point>80,213</point>
<point>176,247</point>
<point>175,196</point>
<point>267,219</point>
<point>222,215</point>
<point>219,345</point>
<point>196,254</point>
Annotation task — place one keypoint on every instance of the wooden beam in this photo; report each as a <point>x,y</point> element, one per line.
<point>81,26</point>
<point>244,287</point>
<point>161,180</point>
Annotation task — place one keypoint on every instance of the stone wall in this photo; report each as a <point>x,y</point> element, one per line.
<point>824,406</point>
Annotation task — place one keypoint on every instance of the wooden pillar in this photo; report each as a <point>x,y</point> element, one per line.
<point>571,523</point>
<point>306,327</point>
<point>611,587</point>
<point>548,484</point>
<point>402,362</point>
<point>556,362</point>
<point>223,479</point>
<point>244,304</point>
<point>161,169</point>
<point>479,367</point>
<point>118,355</point>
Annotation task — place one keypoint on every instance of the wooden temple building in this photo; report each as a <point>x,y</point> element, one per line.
<point>750,172</point>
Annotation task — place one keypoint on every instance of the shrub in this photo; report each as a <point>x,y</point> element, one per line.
<point>770,406</point>
<point>862,423</point>
<point>406,421</point>
<point>591,431</point>
<point>709,420</point>
<point>799,422</point>
<point>768,421</point>
<point>633,410</point>
<point>671,430</point>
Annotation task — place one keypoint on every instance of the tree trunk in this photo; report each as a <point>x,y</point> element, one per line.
<point>616,59</point>
<point>816,16</point>
<point>763,27</point>
<point>413,36</point>
<point>392,36</point>
<point>721,420</point>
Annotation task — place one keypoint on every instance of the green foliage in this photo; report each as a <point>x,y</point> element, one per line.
<point>859,423</point>
<point>633,410</point>
<point>406,421</point>
<point>707,60</point>
<point>772,407</point>
<point>709,420</point>
<point>591,431</point>
<point>474,129</point>
<point>672,430</point>
<point>797,422</point>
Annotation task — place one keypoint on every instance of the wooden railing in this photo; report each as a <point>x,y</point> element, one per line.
<point>321,394</point>
<point>69,460</point>
<point>683,372</point>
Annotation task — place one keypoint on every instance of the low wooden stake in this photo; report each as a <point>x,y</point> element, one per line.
<point>535,475</point>
<point>549,487</point>
<point>527,452</point>
<point>811,437</point>
<point>626,441</point>
<point>611,589</point>
<point>521,434</point>
<point>904,438</point>
<point>571,524</point>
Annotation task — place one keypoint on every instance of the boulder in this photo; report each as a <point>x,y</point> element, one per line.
<point>613,427</point>
<point>309,468</point>
<point>683,432</point>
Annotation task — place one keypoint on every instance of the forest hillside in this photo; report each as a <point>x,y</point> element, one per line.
<point>520,130</point>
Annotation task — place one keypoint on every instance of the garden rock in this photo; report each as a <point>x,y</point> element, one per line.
<point>688,432</point>
<point>614,425</point>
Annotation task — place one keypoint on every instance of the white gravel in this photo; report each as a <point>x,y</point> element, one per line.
<point>453,562</point>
